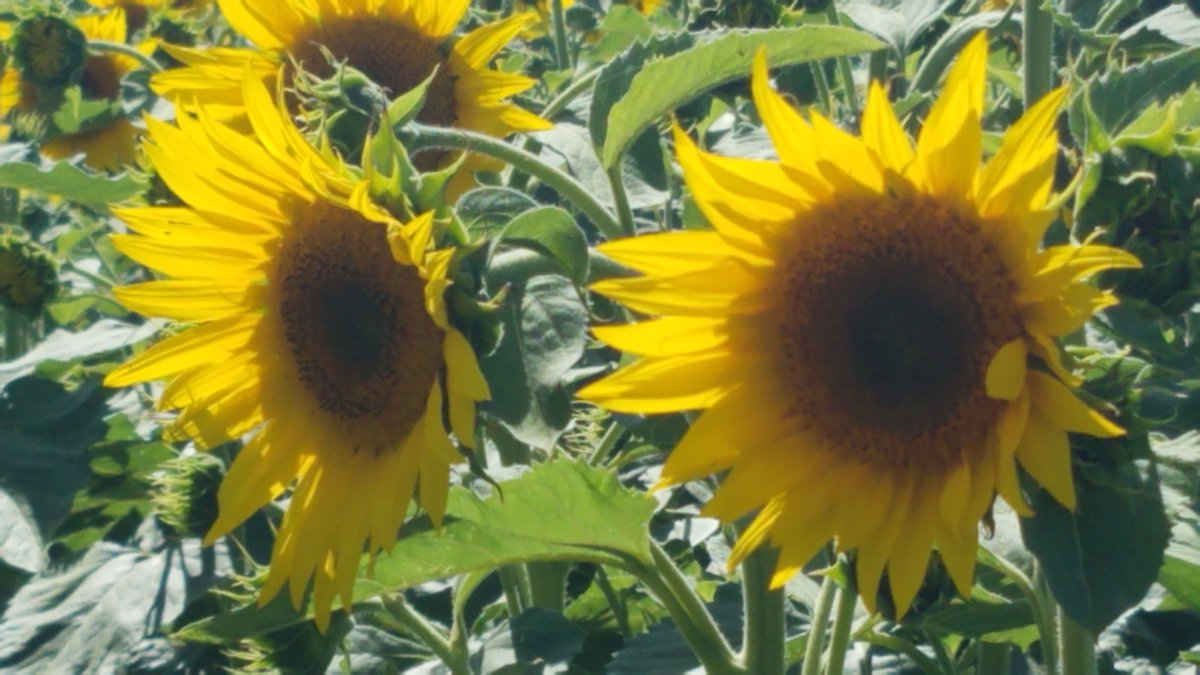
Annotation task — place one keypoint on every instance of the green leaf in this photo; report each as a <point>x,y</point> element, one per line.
<point>900,22</point>
<point>71,182</point>
<point>545,329</point>
<point>992,621</point>
<point>1180,574</point>
<point>543,635</point>
<point>1119,96</point>
<point>104,336</point>
<point>615,78</point>
<point>552,231</point>
<point>1102,558</point>
<point>664,85</point>
<point>486,207</point>
<point>607,524</point>
<point>1174,22</point>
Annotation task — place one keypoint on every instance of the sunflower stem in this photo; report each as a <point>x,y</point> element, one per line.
<point>992,658</point>
<point>1076,646</point>
<point>125,50</point>
<point>612,436</point>
<point>14,335</point>
<point>569,93</point>
<point>431,636</point>
<point>1036,603</point>
<point>763,636</point>
<point>1046,608</point>
<point>1037,47</point>
<point>621,200</point>
<point>822,83</point>
<point>696,625</point>
<point>561,52</point>
<point>514,598</point>
<point>902,646</point>
<point>1114,13</point>
<point>548,584</point>
<point>839,641</point>
<point>620,610</point>
<point>843,63</point>
<point>818,627</point>
<point>421,137</point>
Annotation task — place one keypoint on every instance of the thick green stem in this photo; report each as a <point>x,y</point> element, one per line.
<point>695,624</point>
<point>992,658</point>
<point>763,636</point>
<point>431,636</point>
<point>516,593</point>
<point>569,93</point>
<point>125,50</point>
<point>612,436</point>
<point>1076,647</point>
<point>1046,633</point>
<point>843,63</point>
<point>620,611</point>
<point>839,641</point>
<point>562,53</point>
<point>421,137</point>
<point>14,335</point>
<point>818,627</point>
<point>621,200</point>
<point>877,64</point>
<point>547,584</point>
<point>1037,50</point>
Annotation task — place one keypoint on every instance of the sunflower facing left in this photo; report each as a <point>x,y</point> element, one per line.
<point>319,333</point>
<point>869,330</point>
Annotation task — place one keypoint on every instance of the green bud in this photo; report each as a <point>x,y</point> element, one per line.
<point>49,51</point>
<point>28,276</point>
<point>185,494</point>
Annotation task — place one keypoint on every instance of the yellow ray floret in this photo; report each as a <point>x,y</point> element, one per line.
<point>867,331</point>
<point>319,337</point>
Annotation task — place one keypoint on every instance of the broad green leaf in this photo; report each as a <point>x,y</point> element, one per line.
<point>543,635</point>
<point>1120,96</point>
<point>70,182</point>
<point>104,336</point>
<point>1176,23</point>
<point>485,208</point>
<point>1102,558</point>
<point>641,172</point>
<point>545,329</point>
<point>553,231</point>
<point>615,78</point>
<point>992,621</point>
<point>664,85</point>
<point>900,22</point>
<point>564,510</point>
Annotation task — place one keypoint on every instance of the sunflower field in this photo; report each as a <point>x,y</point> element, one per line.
<point>742,337</point>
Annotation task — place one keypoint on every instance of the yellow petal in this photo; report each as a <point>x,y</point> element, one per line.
<point>670,336</point>
<point>882,133</point>
<point>192,299</point>
<point>1046,455</point>
<point>1006,373</point>
<point>1053,400</point>
<point>950,145</point>
<point>1010,429</point>
<point>481,45</point>
<point>204,344</point>
<point>1020,175</point>
<point>1057,267</point>
<point>670,253</point>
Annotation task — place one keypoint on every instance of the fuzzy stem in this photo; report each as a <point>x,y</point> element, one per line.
<point>561,52</point>
<point>612,436</point>
<point>421,137</point>
<point>839,642</point>
<point>818,627</point>
<point>696,625</point>
<point>1037,50</point>
<point>569,93</point>
<point>428,634</point>
<point>620,611</point>
<point>547,584</point>
<point>125,50</point>
<point>621,199</point>
<point>763,637</point>
<point>1076,647</point>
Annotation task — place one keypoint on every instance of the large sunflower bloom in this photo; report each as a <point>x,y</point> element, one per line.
<point>111,145</point>
<point>868,330</point>
<point>321,331</point>
<point>397,43</point>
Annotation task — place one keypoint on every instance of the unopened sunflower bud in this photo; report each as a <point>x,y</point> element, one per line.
<point>185,494</point>
<point>49,51</point>
<point>28,276</point>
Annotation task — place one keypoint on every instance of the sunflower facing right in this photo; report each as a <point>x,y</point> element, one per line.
<point>869,331</point>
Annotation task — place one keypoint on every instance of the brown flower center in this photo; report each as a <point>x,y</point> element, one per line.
<point>356,327</point>
<point>394,55</point>
<point>100,78</point>
<point>895,308</point>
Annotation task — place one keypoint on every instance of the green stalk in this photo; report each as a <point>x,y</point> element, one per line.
<point>818,627</point>
<point>561,52</point>
<point>763,636</point>
<point>822,83</point>
<point>1037,43</point>
<point>902,646</point>
<point>569,93</point>
<point>1076,647</point>
<point>1032,597</point>
<point>621,200</point>
<point>423,137</point>
<point>992,658</point>
<point>516,595</point>
<point>1047,610</point>
<point>696,625</point>
<point>14,335</point>
<point>547,584</point>
<point>1114,13</point>
<point>125,50</point>
<point>429,635</point>
<point>843,62</point>
<point>612,436</point>
<point>839,642</point>
<point>620,611</point>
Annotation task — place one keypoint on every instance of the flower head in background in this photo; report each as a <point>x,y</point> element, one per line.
<point>869,331</point>
<point>320,331</point>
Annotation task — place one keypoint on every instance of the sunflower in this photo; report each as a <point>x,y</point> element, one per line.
<point>869,331</point>
<point>321,332</point>
<point>110,145</point>
<point>397,43</point>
